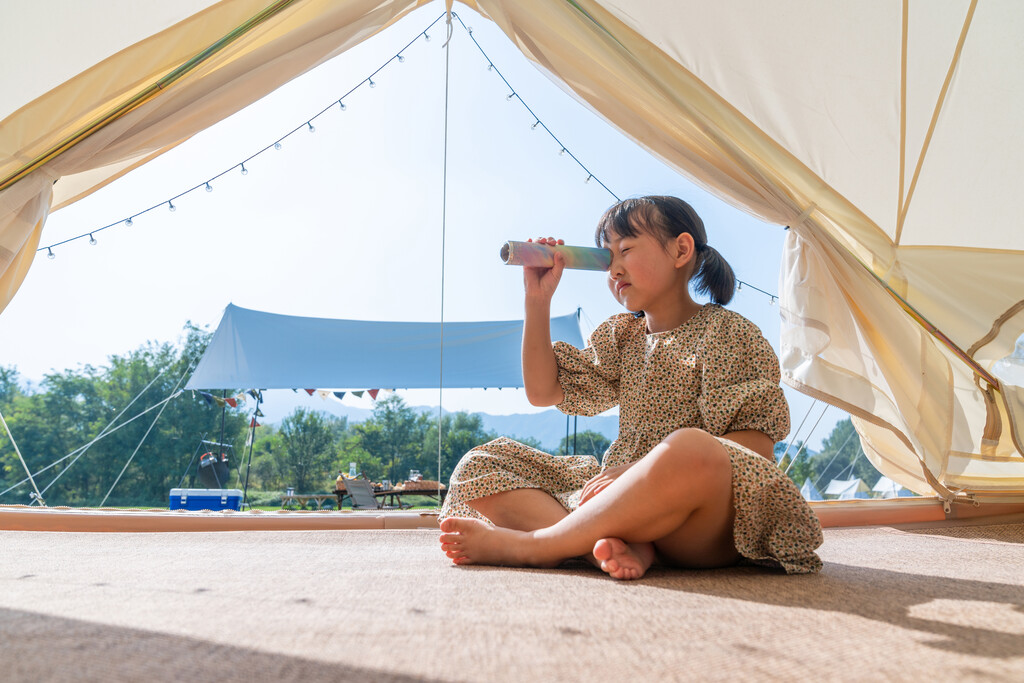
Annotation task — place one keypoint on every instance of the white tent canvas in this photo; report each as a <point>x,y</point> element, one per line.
<point>885,136</point>
<point>847,489</point>
<point>809,491</point>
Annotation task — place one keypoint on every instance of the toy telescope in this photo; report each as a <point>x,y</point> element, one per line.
<point>539,255</point>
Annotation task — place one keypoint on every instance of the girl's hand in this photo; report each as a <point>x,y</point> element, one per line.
<point>542,282</point>
<point>602,481</point>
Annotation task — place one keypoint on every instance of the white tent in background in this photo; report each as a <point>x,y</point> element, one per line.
<point>847,489</point>
<point>809,491</point>
<point>887,488</point>
<point>885,135</point>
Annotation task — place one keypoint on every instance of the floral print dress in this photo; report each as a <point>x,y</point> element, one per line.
<point>715,372</point>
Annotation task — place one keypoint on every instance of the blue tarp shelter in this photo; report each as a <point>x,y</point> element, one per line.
<point>258,350</point>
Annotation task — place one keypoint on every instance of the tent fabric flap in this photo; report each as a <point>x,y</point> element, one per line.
<point>258,350</point>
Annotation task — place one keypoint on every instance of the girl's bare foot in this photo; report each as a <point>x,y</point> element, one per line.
<point>621,560</point>
<point>472,541</point>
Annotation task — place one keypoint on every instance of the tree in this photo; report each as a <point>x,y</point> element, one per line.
<point>393,435</point>
<point>842,457</point>
<point>585,442</point>
<point>309,449</point>
<point>460,433</point>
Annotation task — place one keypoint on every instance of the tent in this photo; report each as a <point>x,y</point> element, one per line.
<point>847,489</point>
<point>887,488</point>
<point>809,491</point>
<point>884,134</point>
<point>258,350</point>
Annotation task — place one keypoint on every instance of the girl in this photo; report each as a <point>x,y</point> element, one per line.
<point>691,479</point>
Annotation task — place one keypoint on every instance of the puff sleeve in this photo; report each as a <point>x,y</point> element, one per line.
<point>740,381</point>
<point>589,377</point>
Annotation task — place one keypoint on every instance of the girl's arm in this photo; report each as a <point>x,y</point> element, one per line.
<point>759,442</point>
<point>540,370</point>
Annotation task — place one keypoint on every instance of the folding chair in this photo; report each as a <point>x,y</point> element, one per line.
<point>361,493</point>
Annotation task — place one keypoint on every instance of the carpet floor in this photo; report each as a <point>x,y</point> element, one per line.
<point>386,605</point>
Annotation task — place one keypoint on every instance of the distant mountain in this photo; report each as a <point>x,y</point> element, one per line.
<point>548,427</point>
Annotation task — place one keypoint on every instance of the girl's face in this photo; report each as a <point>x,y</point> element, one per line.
<point>644,271</point>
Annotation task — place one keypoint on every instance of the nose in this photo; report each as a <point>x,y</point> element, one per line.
<point>615,268</point>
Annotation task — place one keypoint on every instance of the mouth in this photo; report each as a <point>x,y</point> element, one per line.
<point>621,287</point>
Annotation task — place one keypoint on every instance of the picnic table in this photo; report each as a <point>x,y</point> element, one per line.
<point>394,495</point>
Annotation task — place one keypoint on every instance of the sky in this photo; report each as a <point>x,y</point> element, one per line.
<point>353,219</point>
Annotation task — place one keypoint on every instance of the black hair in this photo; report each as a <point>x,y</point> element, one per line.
<point>666,218</point>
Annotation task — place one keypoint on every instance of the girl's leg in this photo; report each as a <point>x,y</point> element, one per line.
<point>679,497</point>
<point>520,509</point>
<point>532,509</point>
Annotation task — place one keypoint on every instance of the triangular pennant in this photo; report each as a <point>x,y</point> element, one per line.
<point>373,393</point>
<point>357,393</point>
<point>323,393</point>
<point>231,402</point>
<point>252,392</point>
<point>240,399</point>
<point>339,395</point>
<point>253,423</point>
<point>220,402</point>
<point>259,413</point>
<point>309,391</point>
<point>206,397</point>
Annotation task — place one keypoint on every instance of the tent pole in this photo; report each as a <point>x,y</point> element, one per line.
<point>252,441</point>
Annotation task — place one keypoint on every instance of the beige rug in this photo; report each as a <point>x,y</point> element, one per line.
<point>385,605</point>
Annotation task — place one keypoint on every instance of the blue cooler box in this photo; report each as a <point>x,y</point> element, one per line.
<point>206,499</point>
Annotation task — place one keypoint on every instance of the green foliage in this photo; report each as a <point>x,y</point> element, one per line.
<point>460,433</point>
<point>73,407</point>
<point>841,457</point>
<point>308,442</point>
<point>584,443</point>
<point>394,436</point>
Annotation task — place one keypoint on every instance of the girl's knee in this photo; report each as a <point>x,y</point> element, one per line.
<point>692,453</point>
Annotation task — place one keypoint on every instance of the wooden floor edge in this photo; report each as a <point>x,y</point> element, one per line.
<point>902,512</point>
<point>25,518</point>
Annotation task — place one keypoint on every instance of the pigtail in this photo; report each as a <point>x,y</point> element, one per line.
<point>715,276</point>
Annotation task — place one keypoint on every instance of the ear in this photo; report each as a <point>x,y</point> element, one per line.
<point>685,249</point>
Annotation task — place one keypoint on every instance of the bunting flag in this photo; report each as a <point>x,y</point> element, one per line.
<point>253,424</point>
<point>373,393</point>
<point>220,402</point>
<point>338,395</point>
<point>248,438</point>
<point>231,402</point>
<point>309,391</point>
<point>384,393</point>
<point>252,392</point>
<point>259,413</point>
<point>207,397</point>
<point>357,393</point>
<point>323,394</point>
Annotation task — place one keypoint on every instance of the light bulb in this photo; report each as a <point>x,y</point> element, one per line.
<point>426,36</point>
<point>209,187</point>
<point>128,222</point>
<point>490,67</point>
<point>372,84</point>
<point>561,152</point>
<point>50,254</point>
<point>277,145</point>
<point>771,302</point>
<point>92,240</point>
<point>534,126</point>
<point>510,96</point>
<point>171,206</point>
<point>588,178</point>
<point>739,286</point>
<point>401,58</point>
<point>341,105</point>
<point>310,126</point>
<point>245,171</point>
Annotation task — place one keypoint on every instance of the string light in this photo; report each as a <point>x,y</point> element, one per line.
<point>171,207</point>
<point>513,94</point>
